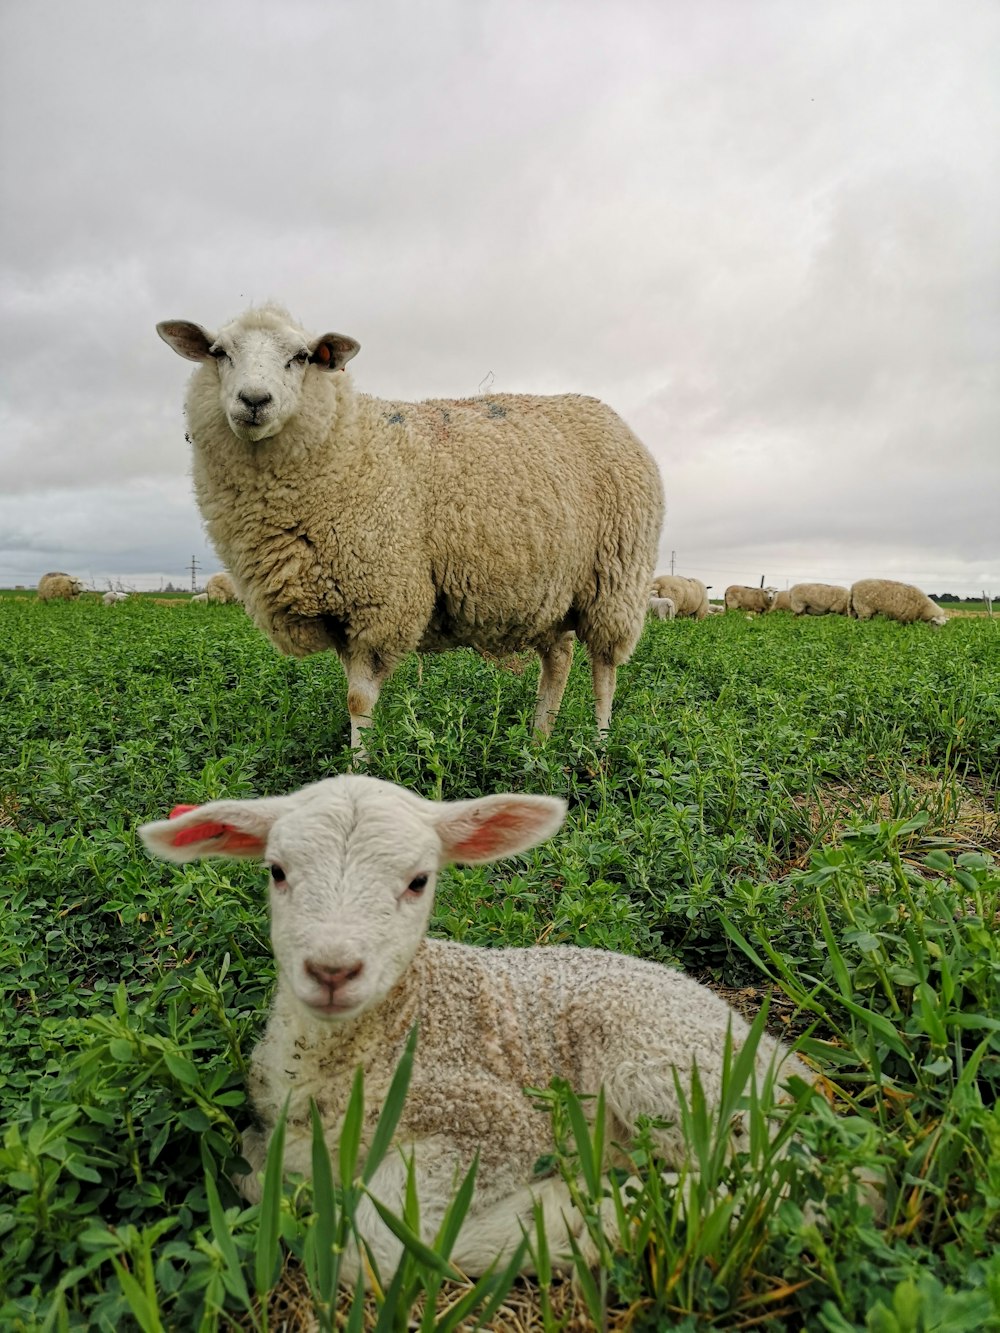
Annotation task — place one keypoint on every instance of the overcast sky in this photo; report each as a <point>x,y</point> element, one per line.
<point>766,233</point>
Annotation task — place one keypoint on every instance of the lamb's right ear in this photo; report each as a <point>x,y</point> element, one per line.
<point>332,351</point>
<point>190,341</point>
<point>237,829</point>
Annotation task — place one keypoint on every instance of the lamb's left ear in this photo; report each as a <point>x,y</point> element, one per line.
<point>332,351</point>
<point>472,832</point>
<point>188,340</point>
<point>237,829</point>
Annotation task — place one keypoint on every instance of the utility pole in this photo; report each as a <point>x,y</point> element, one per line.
<point>194,574</point>
<point>673,555</point>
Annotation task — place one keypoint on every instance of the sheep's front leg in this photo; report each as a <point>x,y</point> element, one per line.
<point>604,673</point>
<point>366,671</point>
<point>556,663</point>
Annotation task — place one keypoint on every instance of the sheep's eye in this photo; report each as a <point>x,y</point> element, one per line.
<point>219,353</point>
<point>297,360</point>
<point>417,884</point>
<point>278,875</point>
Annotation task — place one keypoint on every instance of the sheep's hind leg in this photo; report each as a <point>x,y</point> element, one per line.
<point>556,662</point>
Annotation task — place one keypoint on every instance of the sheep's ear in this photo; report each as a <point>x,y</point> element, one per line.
<point>237,829</point>
<point>492,826</point>
<point>190,341</point>
<point>332,351</point>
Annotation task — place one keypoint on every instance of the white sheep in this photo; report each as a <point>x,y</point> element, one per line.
<point>221,589</point>
<point>112,598</point>
<point>200,597</point>
<point>353,864</point>
<point>897,601</point>
<point>689,596</point>
<point>782,602</point>
<point>378,528</point>
<point>819,599</point>
<point>662,608</point>
<point>56,586</point>
<point>740,598</point>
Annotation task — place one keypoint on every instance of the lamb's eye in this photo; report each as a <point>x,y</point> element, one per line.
<point>417,884</point>
<point>298,359</point>
<point>278,875</point>
<point>219,353</point>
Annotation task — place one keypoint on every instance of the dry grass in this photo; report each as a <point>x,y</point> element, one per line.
<point>290,1309</point>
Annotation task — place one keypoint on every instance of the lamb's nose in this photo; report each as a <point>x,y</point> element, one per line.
<point>254,399</point>
<point>333,977</point>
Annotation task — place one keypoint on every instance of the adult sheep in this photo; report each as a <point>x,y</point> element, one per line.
<point>782,601</point>
<point>819,599</point>
<point>897,601</point>
<point>353,863</point>
<point>378,528</point>
<point>689,596</point>
<point>221,589</point>
<point>56,586</point>
<point>756,600</point>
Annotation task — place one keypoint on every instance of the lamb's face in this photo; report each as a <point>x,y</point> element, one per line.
<point>262,363</point>
<point>352,887</point>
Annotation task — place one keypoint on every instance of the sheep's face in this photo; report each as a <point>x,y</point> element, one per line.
<point>353,864</point>
<point>262,366</point>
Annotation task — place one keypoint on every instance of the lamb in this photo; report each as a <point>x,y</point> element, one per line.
<point>689,596</point>
<point>781,602</point>
<point>897,601</point>
<point>353,863</point>
<point>662,608</point>
<point>819,599</point>
<point>377,528</point>
<point>740,598</point>
<point>200,597</point>
<point>56,586</point>
<point>220,588</point>
<point>112,598</point>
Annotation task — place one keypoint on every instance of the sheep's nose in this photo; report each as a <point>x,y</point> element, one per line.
<point>254,399</point>
<point>333,977</point>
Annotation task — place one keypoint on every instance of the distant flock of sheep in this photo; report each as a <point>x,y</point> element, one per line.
<point>58,587</point>
<point>673,595</point>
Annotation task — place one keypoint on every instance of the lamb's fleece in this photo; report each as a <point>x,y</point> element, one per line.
<point>56,586</point>
<point>897,601</point>
<point>662,608</point>
<point>689,596</point>
<point>354,862</point>
<point>782,601</point>
<point>376,528</point>
<point>819,599</point>
<point>221,588</point>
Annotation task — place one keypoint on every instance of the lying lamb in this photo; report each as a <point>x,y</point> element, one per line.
<point>353,864</point>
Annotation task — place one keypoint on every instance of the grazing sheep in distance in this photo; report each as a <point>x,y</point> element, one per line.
<point>112,598</point>
<point>897,601</point>
<point>353,864</point>
<point>781,602</point>
<point>56,586</point>
<point>220,588</point>
<point>200,597</point>
<point>662,608</point>
<point>379,528</point>
<point>689,596</point>
<point>819,599</point>
<point>740,598</point>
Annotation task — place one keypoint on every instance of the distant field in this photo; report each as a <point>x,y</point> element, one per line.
<point>798,811</point>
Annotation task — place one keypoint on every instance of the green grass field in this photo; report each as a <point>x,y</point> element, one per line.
<point>802,813</point>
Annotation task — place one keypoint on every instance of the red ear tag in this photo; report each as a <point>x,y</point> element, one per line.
<point>179,810</point>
